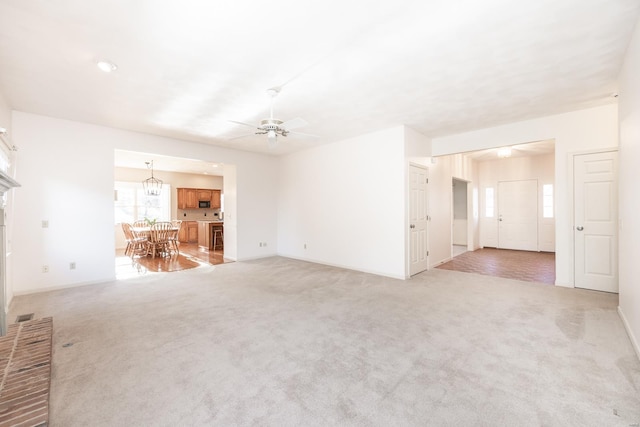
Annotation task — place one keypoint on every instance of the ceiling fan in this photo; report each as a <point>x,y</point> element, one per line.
<point>273,127</point>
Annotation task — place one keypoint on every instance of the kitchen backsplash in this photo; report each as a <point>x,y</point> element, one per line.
<point>198,214</point>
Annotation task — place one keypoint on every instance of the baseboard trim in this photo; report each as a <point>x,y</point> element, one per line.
<point>252,258</point>
<point>627,327</point>
<point>439,263</point>
<point>565,285</point>
<point>346,267</point>
<point>59,287</point>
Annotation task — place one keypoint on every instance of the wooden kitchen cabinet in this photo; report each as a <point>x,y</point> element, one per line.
<point>215,199</point>
<point>204,195</point>
<point>187,198</point>
<point>188,232</point>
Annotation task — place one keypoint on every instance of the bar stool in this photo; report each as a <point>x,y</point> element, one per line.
<point>218,234</point>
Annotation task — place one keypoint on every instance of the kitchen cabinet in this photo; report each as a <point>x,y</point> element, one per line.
<point>188,232</point>
<point>203,234</point>
<point>204,195</point>
<point>206,233</point>
<point>215,199</point>
<point>187,198</point>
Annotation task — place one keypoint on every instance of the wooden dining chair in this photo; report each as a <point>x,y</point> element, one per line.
<point>173,237</point>
<point>159,238</point>
<point>136,244</point>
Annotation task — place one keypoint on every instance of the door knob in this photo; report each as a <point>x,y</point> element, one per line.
<point>579,228</point>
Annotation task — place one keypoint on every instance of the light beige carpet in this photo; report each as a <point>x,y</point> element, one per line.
<point>282,342</point>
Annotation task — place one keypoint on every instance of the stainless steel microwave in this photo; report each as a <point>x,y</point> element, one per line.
<point>204,204</point>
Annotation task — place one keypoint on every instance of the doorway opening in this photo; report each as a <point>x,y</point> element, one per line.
<point>192,200</point>
<point>494,178</point>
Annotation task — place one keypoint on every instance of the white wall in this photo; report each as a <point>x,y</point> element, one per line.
<point>5,114</point>
<point>629,267</point>
<point>491,172</point>
<point>67,174</point>
<point>577,131</point>
<point>346,202</point>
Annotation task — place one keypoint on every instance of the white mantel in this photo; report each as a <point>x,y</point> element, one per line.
<point>6,183</point>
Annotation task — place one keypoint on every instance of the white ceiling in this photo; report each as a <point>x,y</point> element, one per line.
<point>347,67</point>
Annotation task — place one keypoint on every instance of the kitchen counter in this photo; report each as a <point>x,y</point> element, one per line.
<point>205,232</point>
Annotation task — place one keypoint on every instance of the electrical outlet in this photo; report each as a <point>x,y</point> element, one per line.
<point>72,266</point>
<point>45,268</point>
<point>305,246</point>
<point>45,223</point>
<point>264,244</point>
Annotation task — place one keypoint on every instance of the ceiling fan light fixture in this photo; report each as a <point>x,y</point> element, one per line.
<point>272,138</point>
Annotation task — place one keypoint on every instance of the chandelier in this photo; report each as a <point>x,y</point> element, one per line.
<point>152,186</point>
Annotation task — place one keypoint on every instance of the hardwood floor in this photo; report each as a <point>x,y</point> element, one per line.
<point>211,257</point>
<point>191,256</point>
<point>520,265</point>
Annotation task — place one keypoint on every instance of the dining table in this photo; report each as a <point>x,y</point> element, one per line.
<point>173,239</point>
<point>146,231</point>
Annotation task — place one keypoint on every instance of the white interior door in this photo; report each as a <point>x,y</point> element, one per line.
<point>595,221</point>
<point>418,260</point>
<point>518,215</point>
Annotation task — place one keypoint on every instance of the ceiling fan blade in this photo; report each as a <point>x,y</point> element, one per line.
<point>294,123</point>
<point>305,134</point>
<point>244,124</point>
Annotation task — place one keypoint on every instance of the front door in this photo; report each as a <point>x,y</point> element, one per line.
<point>418,260</point>
<point>518,215</point>
<point>595,221</point>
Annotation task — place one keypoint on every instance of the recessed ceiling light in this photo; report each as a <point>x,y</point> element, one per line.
<point>107,66</point>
